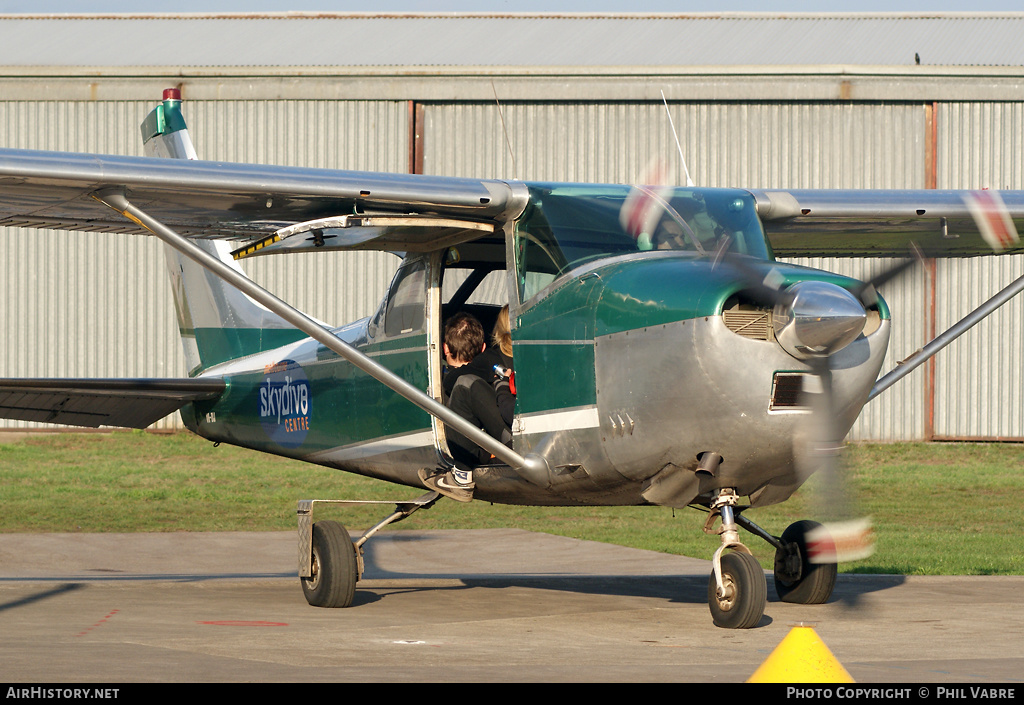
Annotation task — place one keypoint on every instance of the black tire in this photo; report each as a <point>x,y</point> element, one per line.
<point>798,580</point>
<point>333,583</point>
<point>746,592</point>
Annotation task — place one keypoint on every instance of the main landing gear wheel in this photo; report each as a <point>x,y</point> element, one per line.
<point>334,565</point>
<point>742,603</point>
<point>796,578</point>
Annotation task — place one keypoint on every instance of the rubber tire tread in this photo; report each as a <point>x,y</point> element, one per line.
<point>748,576</point>
<point>336,586</point>
<point>818,580</point>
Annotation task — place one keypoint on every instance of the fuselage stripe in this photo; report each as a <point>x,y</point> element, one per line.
<point>378,446</point>
<point>566,420</point>
<point>542,422</point>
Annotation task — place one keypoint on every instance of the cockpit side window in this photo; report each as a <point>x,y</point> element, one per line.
<point>406,300</point>
<point>567,225</point>
<point>474,286</point>
<point>538,256</point>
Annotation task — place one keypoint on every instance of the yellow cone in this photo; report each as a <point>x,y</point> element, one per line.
<point>801,657</point>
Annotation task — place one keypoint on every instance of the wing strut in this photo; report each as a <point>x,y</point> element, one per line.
<point>967,322</point>
<point>533,467</point>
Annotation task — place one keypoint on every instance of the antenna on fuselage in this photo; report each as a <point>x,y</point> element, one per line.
<point>508,142</point>
<point>689,181</point>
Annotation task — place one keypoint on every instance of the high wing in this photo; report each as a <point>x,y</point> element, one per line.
<point>836,222</point>
<point>129,403</point>
<point>260,206</point>
<point>222,200</point>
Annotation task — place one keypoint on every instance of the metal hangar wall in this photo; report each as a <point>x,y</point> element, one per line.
<point>96,305</point>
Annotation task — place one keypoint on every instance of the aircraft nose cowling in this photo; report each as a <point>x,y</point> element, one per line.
<point>817,319</point>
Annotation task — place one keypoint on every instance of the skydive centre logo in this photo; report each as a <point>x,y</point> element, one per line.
<point>285,403</point>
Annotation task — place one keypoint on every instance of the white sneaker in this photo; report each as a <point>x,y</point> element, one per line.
<point>450,484</point>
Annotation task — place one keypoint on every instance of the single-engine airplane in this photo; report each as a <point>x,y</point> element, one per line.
<point>663,356</point>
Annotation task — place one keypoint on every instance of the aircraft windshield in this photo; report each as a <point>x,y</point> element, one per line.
<point>566,226</point>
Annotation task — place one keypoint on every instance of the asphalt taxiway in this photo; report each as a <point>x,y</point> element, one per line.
<point>478,605</point>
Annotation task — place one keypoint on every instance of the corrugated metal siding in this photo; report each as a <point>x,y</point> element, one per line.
<point>979,378</point>
<point>70,298</point>
<point>805,145</point>
<point>756,145</point>
<point>97,305</point>
<point>979,145</point>
<point>978,387</point>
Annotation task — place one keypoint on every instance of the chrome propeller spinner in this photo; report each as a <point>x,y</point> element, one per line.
<point>817,319</point>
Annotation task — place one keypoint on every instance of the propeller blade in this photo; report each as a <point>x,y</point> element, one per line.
<point>868,292</point>
<point>841,541</point>
<point>843,536</point>
<point>766,289</point>
<point>646,203</point>
<point>992,218</point>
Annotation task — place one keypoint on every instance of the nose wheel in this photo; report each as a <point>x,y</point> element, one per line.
<point>737,589</point>
<point>740,602</point>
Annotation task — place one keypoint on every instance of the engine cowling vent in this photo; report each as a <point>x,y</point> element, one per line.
<point>752,323</point>
<point>790,391</point>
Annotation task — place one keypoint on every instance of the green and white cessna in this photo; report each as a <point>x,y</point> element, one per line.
<point>662,355</point>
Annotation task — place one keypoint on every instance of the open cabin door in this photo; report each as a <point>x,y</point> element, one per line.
<point>470,277</point>
<point>420,298</point>
<point>435,351</point>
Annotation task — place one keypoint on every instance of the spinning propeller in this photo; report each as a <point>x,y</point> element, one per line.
<point>812,321</point>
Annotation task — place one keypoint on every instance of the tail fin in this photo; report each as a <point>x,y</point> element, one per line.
<point>217,322</point>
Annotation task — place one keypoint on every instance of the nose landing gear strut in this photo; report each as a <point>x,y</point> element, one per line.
<point>737,590</point>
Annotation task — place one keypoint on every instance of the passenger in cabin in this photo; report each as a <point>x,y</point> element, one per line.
<point>470,393</point>
<point>499,357</point>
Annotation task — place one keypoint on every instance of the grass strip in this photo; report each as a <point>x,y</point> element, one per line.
<point>937,508</point>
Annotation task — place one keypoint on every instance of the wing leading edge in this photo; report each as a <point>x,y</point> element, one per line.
<point>128,403</point>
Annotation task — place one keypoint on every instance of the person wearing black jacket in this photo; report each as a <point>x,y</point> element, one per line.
<point>498,357</point>
<point>469,390</point>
